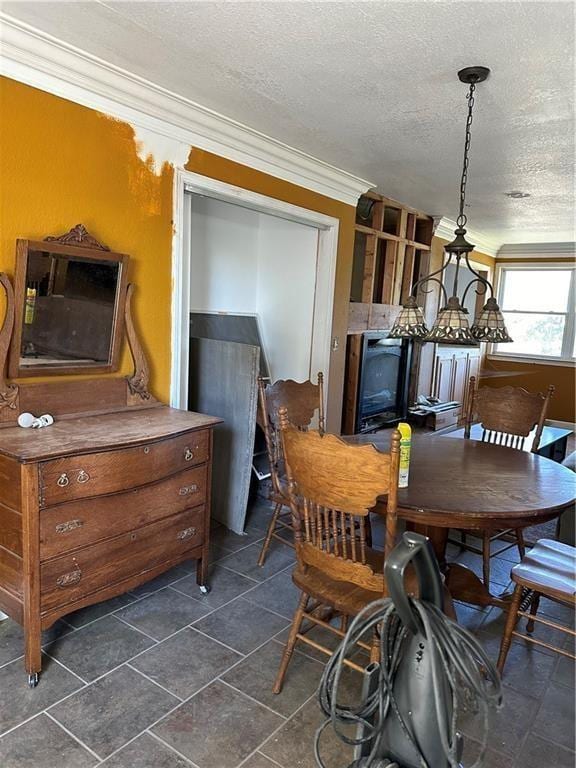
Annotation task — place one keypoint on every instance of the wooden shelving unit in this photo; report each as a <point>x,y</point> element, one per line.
<point>389,248</point>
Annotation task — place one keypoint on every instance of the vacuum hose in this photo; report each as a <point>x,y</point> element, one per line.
<point>461,676</point>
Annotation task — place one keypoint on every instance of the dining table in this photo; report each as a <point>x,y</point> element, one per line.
<point>470,485</point>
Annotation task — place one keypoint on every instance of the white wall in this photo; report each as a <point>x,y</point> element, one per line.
<point>224,253</point>
<point>287,258</point>
<point>248,262</point>
<point>464,277</point>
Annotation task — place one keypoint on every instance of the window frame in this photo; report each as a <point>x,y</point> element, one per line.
<point>567,357</point>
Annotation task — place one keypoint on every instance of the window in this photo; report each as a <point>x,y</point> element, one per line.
<point>538,306</point>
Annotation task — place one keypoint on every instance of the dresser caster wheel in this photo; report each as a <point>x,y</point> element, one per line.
<point>204,589</point>
<point>33,680</point>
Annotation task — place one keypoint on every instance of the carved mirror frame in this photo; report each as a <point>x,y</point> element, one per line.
<point>70,398</point>
<point>80,244</point>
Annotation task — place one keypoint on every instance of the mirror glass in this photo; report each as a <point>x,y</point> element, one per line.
<point>69,311</point>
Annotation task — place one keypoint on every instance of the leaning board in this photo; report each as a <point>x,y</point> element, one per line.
<point>223,381</point>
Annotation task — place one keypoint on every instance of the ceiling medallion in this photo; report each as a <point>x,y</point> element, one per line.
<point>451,325</point>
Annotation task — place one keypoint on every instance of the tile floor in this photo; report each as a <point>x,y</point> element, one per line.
<point>166,678</point>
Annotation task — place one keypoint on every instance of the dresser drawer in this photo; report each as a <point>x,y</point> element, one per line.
<point>65,527</point>
<point>93,474</point>
<point>71,577</point>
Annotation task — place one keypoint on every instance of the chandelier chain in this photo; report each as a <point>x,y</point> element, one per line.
<point>462,219</point>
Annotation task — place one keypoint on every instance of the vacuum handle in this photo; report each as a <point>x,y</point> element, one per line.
<point>416,549</point>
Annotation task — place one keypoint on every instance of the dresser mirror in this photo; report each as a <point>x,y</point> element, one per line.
<point>70,293</point>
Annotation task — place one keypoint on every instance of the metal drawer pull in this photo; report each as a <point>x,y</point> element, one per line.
<point>63,480</point>
<point>188,454</point>
<point>186,533</point>
<point>68,579</point>
<point>187,489</point>
<point>70,525</point>
<point>83,477</point>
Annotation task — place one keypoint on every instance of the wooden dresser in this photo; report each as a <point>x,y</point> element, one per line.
<point>92,507</point>
<point>117,489</point>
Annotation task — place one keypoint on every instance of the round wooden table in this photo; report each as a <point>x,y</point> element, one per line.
<point>472,485</point>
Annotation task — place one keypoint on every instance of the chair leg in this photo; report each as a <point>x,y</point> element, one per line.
<point>368,530</point>
<point>534,603</point>
<point>509,628</point>
<point>344,621</point>
<point>486,558</point>
<point>375,647</point>
<point>520,542</point>
<point>291,642</point>
<point>269,532</point>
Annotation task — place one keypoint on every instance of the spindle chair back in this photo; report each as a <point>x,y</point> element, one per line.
<point>304,400</point>
<point>332,486</point>
<point>507,416</point>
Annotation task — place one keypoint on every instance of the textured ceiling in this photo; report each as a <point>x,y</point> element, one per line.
<point>371,87</point>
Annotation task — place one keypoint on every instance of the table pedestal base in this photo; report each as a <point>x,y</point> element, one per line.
<point>464,585</point>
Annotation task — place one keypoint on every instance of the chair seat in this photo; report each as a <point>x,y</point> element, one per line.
<point>280,496</point>
<point>342,595</point>
<point>549,567</point>
<point>339,595</point>
<point>349,600</point>
<point>570,461</point>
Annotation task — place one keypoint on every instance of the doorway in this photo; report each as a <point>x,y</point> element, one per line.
<point>245,262</point>
<point>253,293</point>
<point>293,266</point>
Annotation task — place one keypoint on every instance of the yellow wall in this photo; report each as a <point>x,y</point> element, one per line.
<point>62,164</point>
<point>219,168</point>
<point>535,378</point>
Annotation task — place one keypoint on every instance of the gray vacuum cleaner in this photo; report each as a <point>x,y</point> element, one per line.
<point>430,669</point>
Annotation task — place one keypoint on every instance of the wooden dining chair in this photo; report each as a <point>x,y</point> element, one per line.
<point>549,569</point>
<point>566,525</point>
<point>507,416</point>
<point>332,486</point>
<point>303,400</point>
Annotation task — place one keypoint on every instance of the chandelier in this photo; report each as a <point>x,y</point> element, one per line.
<point>451,325</point>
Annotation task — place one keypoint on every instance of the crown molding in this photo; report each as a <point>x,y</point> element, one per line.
<point>537,250</point>
<point>42,61</point>
<point>445,229</point>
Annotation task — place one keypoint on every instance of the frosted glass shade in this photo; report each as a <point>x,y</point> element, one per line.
<point>410,323</point>
<point>451,326</point>
<point>489,326</point>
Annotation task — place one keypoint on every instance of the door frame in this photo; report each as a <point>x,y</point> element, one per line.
<point>327,226</point>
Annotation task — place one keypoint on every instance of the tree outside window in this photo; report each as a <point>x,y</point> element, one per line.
<point>538,306</point>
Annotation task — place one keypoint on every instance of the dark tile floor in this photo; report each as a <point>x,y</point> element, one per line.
<point>167,678</point>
